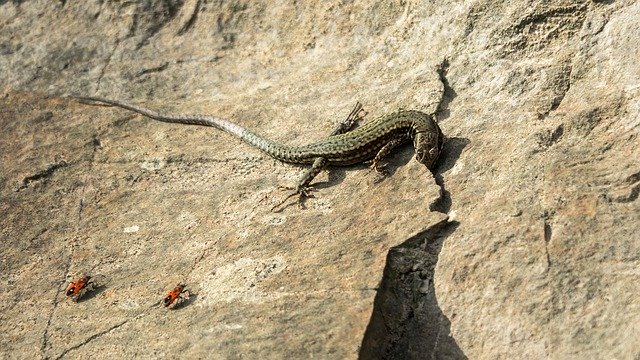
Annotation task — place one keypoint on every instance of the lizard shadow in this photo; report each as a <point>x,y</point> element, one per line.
<point>453,148</point>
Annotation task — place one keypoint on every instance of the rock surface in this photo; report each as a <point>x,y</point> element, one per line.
<point>524,244</point>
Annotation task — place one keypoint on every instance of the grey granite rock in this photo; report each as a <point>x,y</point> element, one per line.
<point>524,244</point>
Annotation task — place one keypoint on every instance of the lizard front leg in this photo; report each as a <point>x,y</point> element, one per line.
<point>386,149</point>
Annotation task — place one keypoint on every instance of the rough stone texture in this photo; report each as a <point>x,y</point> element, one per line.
<point>539,258</point>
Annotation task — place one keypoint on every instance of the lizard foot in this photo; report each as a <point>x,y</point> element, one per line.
<point>375,165</point>
<point>303,192</point>
<point>379,169</point>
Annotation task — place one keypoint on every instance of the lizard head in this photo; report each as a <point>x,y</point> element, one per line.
<point>428,141</point>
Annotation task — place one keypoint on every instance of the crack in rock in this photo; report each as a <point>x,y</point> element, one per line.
<point>42,174</point>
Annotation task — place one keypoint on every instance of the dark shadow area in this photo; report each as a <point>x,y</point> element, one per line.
<point>451,150</point>
<point>448,95</point>
<point>185,302</point>
<point>97,289</point>
<point>407,322</point>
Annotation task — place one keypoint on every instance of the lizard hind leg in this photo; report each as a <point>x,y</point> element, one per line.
<point>302,189</point>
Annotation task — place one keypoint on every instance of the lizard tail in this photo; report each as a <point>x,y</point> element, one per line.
<point>274,149</point>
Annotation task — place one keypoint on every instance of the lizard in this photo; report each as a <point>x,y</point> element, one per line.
<point>370,142</point>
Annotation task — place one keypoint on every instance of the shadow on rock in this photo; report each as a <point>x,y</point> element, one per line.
<point>92,294</point>
<point>452,149</point>
<point>186,302</point>
<point>407,322</point>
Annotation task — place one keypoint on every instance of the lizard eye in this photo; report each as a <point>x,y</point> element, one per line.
<point>70,291</point>
<point>167,301</point>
